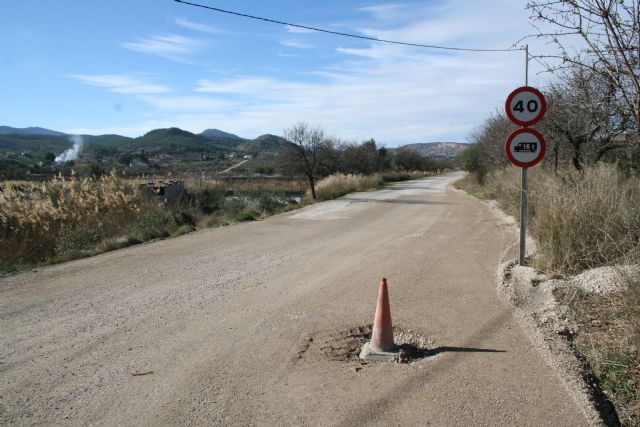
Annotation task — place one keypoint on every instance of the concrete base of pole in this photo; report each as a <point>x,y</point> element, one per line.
<point>369,355</point>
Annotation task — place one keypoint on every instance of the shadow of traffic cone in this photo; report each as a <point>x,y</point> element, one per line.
<point>381,347</point>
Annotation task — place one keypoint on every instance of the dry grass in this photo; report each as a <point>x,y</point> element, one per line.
<point>338,185</point>
<point>34,216</point>
<point>608,338</point>
<point>588,220</point>
<point>471,185</point>
<point>580,220</point>
<point>68,218</point>
<point>394,176</point>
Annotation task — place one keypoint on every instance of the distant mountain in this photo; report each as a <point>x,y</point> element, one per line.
<point>8,130</point>
<point>108,138</point>
<point>437,150</point>
<point>172,139</point>
<point>216,133</point>
<point>262,143</point>
<point>35,146</point>
<point>158,134</point>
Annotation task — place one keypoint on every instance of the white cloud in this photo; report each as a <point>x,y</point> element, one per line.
<point>186,103</point>
<point>298,30</point>
<point>295,43</point>
<point>389,12</point>
<point>196,26</point>
<point>170,46</point>
<point>122,83</point>
<point>421,98</point>
<point>133,131</point>
<point>396,94</point>
<point>257,87</point>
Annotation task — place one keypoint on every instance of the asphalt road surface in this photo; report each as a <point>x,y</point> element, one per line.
<point>246,324</point>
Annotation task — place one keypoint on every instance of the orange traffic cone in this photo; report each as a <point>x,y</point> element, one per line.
<point>382,335</point>
<point>381,347</point>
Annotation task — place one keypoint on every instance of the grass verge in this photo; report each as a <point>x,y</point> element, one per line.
<point>608,339</point>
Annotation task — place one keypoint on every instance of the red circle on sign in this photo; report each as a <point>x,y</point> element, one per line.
<point>541,111</point>
<point>539,154</point>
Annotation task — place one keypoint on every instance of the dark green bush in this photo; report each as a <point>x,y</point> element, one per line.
<point>154,223</point>
<point>270,202</point>
<point>234,205</point>
<point>74,240</point>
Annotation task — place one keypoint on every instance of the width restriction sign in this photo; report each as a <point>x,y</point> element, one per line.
<point>525,147</point>
<point>525,106</point>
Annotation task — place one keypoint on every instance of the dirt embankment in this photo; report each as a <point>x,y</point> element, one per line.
<point>551,327</point>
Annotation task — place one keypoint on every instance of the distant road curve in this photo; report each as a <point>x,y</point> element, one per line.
<point>234,166</point>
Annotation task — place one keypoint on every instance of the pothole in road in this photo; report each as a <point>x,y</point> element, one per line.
<point>346,345</point>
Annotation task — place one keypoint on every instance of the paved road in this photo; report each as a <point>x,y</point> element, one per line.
<point>239,325</point>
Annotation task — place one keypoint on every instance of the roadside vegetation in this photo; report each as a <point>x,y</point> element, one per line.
<point>63,219</point>
<point>72,217</point>
<point>609,342</point>
<point>584,198</point>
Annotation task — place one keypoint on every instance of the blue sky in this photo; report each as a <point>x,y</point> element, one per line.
<point>128,67</point>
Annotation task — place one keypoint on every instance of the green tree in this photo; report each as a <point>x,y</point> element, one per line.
<point>50,157</point>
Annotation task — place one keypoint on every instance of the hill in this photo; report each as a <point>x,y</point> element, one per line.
<point>172,140</point>
<point>262,143</point>
<point>216,133</point>
<point>8,130</point>
<point>34,145</point>
<point>99,139</point>
<point>437,150</point>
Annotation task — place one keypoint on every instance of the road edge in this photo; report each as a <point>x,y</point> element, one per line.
<point>540,317</point>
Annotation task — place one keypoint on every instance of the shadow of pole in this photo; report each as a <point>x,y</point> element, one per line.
<point>445,349</point>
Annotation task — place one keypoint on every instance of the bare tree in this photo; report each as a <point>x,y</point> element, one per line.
<point>307,151</point>
<point>610,31</point>
<point>583,112</point>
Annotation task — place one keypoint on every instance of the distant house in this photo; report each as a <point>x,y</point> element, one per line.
<point>248,157</point>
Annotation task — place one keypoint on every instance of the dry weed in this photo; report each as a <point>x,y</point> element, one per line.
<point>32,216</point>
<point>338,185</point>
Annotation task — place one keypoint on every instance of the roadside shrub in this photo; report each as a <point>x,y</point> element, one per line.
<point>392,176</point>
<point>35,219</point>
<point>184,217</point>
<point>153,223</point>
<point>580,220</point>
<point>203,197</point>
<point>74,240</point>
<point>183,229</point>
<point>234,205</point>
<point>504,186</point>
<point>338,185</point>
<point>609,339</point>
<point>248,215</point>
<point>270,202</point>
<point>589,219</point>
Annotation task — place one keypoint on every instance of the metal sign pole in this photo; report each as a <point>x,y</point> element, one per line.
<point>524,181</point>
<point>523,216</point>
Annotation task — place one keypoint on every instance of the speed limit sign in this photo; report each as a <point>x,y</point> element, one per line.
<point>525,106</point>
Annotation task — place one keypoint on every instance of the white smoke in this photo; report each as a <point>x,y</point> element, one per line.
<point>73,152</point>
